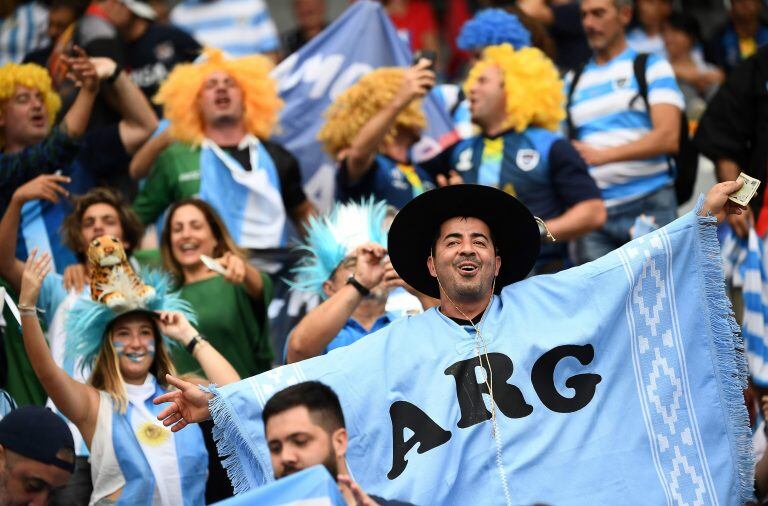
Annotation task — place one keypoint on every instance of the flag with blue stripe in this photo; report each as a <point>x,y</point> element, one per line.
<point>360,40</point>
<point>746,267</point>
<point>311,487</point>
<point>249,201</point>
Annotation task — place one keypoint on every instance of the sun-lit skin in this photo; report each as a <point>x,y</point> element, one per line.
<point>604,25</point>
<point>296,442</point>
<point>220,100</point>
<point>133,337</point>
<point>24,118</point>
<point>27,482</point>
<point>378,294</point>
<point>465,262</point>
<point>101,219</point>
<point>488,102</point>
<point>191,236</point>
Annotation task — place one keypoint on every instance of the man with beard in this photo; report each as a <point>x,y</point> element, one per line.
<point>304,427</point>
<point>511,381</point>
<point>37,456</point>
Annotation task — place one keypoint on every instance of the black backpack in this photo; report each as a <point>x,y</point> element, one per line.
<point>685,163</point>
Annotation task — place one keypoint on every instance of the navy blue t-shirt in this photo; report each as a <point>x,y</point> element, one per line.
<point>537,166</point>
<point>386,179</point>
<point>150,58</point>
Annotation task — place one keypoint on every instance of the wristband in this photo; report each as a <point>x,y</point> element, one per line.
<point>190,347</point>
<point>111,79</point>
<point>358,286</point>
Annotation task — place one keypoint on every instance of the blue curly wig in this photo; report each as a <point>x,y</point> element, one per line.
<point>87,322</point>
<point>491,27</point>
<point>330,238</point>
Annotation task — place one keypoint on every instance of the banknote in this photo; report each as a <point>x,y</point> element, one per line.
<point>747,191</point>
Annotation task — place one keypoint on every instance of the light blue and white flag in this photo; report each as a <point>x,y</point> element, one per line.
<point>310,487</point>
<point>360,40</point>
<point>745,267</point>
<point>249,201</point>
<point>620,379</point>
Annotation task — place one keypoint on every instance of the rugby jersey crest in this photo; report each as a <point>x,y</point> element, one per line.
<point>607,111</point>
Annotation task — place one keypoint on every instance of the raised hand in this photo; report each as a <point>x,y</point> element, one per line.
<point>360,497</point>
<point>188,404</point>
<point>451,179</point>
<point>370,267</point>
<point>35,270</point>
<point>235,267</point>
<point>75,277</point>
<point>176,326</point>
<point>717,203</point>
<point>417,82</point>
<point>81,70</point>
<point>44,187</point>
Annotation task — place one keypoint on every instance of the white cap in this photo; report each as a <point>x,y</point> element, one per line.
<point>141,9</point>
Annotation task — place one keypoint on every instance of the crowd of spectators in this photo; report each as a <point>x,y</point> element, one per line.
<point>151,123</point>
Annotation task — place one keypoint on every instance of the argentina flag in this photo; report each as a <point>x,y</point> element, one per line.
<point>746,267</point>
<point>360,40</point>
<point>616,382</point>
<point>311,487</point>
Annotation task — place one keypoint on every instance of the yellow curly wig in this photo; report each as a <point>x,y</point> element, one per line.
<point>179,92</point>
<point>31,76</point>
<point>533,86</point>
<point>360,102</point>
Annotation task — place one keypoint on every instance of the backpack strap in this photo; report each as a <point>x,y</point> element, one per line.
<point>639,64</point>
<point>568,119</point>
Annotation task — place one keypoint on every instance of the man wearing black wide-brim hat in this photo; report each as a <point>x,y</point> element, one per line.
<point>612,372</point>
<point>463,243</point>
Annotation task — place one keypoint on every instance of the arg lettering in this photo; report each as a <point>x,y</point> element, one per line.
<point>510,401</point>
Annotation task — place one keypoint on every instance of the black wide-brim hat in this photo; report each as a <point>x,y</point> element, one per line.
<point>413,231</point>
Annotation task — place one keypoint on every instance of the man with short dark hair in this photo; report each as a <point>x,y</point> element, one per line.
<point>37,456</point>
<point>304,427</point>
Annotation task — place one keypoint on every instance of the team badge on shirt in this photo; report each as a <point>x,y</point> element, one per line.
<point>527,159</point>
<point>465,160</point>
<point>620,83</point>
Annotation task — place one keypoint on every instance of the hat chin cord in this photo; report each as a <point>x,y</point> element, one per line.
<point>480,343</point>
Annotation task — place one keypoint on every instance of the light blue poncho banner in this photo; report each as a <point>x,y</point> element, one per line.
<point>617,382</point>
<point>360,40</point>
<point>310,487</point>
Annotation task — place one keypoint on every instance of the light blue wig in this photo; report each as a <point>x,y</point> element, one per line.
<point>88,320</point>
<point>333,236</point>
<point>491,27</point>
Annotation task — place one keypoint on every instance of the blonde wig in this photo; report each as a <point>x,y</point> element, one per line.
<point>360,102</point>
<point>178,94</point>
<point>31,76</point>
<point>106,373</point>
<point>534,90</point>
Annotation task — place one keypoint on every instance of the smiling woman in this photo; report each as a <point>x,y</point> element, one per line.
<point>231,307</point>
<point>126,343</point>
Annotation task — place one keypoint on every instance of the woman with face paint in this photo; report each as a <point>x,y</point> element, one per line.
<point>135,460</point>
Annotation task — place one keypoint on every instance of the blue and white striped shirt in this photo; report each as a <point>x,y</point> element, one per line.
<point>606,114</point>
<point>23,32</point>
<point>239,27</point>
